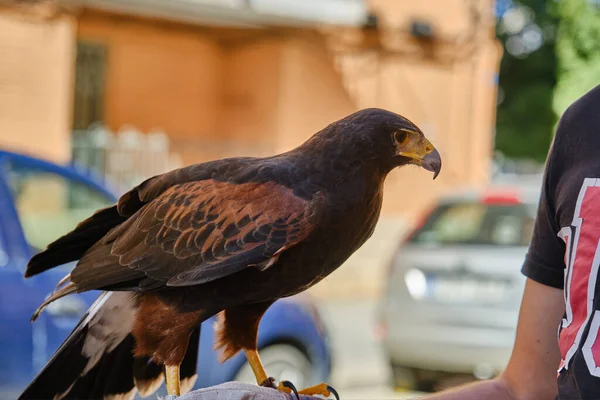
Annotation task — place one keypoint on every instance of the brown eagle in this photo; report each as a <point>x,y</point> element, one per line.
<point>229,236</point>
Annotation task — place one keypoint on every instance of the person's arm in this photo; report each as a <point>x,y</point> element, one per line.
<point>531,371</point>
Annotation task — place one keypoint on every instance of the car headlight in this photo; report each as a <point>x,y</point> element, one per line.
<point>416,282</point>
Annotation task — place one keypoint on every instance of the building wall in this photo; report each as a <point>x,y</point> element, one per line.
<point>448,17</point>
<point>311,92</point>
<point>216,98</point>
<point>157,77</point>
<point>279,91</point>
<point>452,101</point>
<point>250,103</point>
<point>36,74</point>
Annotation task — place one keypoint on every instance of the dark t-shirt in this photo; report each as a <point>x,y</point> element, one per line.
<point>565,248</point>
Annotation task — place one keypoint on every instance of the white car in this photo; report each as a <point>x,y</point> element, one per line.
<point>454,289</point>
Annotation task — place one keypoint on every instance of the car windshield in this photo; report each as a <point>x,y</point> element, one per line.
<point>50,205</point>
<point>474,223</point>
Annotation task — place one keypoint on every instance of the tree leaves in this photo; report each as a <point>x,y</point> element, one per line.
<point>578,51</point>
<point>525,118</point>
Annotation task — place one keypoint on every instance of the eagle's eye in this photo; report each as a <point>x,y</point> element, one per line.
<point>401,136</point>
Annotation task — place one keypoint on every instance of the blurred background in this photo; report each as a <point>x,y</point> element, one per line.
<point>97,95</point>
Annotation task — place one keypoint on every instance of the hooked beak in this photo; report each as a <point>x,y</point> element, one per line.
<point>432,162</point>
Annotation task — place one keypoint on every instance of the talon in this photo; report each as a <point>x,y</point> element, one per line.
<point>289,385</point>
<point>334,392</point>
<point>270,383</point>
<point>322,389</point>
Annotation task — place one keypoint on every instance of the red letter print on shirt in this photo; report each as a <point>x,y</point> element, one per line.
<point>582,258</point>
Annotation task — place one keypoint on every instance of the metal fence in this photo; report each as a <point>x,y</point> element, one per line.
<point>125,158</point>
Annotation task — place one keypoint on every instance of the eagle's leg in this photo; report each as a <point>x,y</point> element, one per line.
<point>257,367</point>
<point>237,330</point>
<point>172,378</point>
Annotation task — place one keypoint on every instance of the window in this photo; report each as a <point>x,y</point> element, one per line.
<point>471,223</point>
<point>50,205</point>
<point>89,85</point>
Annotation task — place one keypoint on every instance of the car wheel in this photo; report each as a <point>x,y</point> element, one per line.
<point>282,362</point>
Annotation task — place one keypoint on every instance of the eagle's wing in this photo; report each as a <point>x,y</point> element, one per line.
<point>199,231</point>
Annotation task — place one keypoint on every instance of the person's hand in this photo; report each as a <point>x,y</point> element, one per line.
<point>241,391</point>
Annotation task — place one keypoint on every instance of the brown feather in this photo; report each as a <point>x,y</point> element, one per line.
<point>198,232</point>
<point>161,331</point>
<point>237,328</point>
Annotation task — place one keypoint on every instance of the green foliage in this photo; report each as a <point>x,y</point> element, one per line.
<point>525,118</point>
<point>578,51</point>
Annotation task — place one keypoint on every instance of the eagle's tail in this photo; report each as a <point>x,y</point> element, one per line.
<point>74,244</point>
<point>96,361</point>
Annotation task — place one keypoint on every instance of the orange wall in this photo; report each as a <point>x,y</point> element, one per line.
<point>158,77</point>
<point>447,16</point>
<point>279,91</point>
<point>251,85</point>
<point>453,102</point>
<point>246,97</point>
<point>36,72</point>
<point>311,93</point>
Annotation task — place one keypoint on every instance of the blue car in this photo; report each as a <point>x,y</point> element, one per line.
<point>40,201</point>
